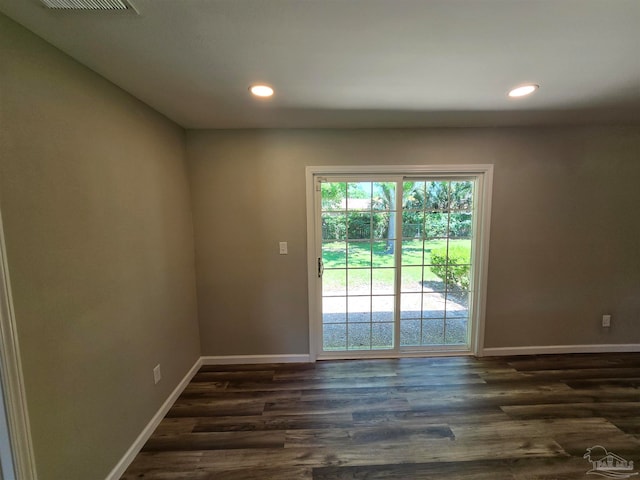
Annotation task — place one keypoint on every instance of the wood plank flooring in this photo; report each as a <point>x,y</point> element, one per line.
<point>516,418</point>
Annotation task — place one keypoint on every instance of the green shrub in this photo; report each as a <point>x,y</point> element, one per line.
<point>357,225</point>
<point>456,269</point>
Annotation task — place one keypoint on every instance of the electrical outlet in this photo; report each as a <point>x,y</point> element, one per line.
<point>606,320</point>
<point>283,248</point>
<point>157,375</point>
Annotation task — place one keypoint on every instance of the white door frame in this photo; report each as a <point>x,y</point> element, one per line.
<point>16,451</point>
<point>484,178</point>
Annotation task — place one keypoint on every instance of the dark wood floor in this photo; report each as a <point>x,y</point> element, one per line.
<point>519,418</point>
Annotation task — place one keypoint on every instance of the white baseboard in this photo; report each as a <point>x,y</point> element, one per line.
<point>130,455</point>
<point>249,359</point>
<point>139,442</point>
<point>558,349</point>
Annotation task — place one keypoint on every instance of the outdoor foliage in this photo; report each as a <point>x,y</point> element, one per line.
<point>437,208</point>
<point>455,270</point>
<point>430,210</point>
<point>359,225</point>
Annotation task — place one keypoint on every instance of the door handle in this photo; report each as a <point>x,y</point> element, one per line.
<point>320,267</point>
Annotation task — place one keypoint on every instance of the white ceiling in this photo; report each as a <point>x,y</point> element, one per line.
<point>361,63</point>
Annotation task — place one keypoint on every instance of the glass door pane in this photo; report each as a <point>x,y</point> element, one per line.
<point>358,253</point>
<point>435,289</point>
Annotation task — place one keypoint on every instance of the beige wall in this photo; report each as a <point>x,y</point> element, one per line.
<point>95,201</point>
<point>564,231</point>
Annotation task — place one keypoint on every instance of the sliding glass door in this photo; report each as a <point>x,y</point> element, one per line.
<point>395,264</point>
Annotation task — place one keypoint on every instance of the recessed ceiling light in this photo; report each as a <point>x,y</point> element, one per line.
<point>261,90</point>
<point>523,90</point>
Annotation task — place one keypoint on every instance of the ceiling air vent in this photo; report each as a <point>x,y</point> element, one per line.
<point>120,5</point>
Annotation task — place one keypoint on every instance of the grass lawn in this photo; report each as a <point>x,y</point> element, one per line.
<point>361,256</point>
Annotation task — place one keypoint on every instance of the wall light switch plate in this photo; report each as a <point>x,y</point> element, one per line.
<point>157,375</point>
<point>283,248</point>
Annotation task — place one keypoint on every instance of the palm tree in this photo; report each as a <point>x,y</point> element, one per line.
<point>387,201</point>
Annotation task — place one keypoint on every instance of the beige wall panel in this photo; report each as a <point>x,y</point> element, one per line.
<point>95,201</point>
<point>564,235</point>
